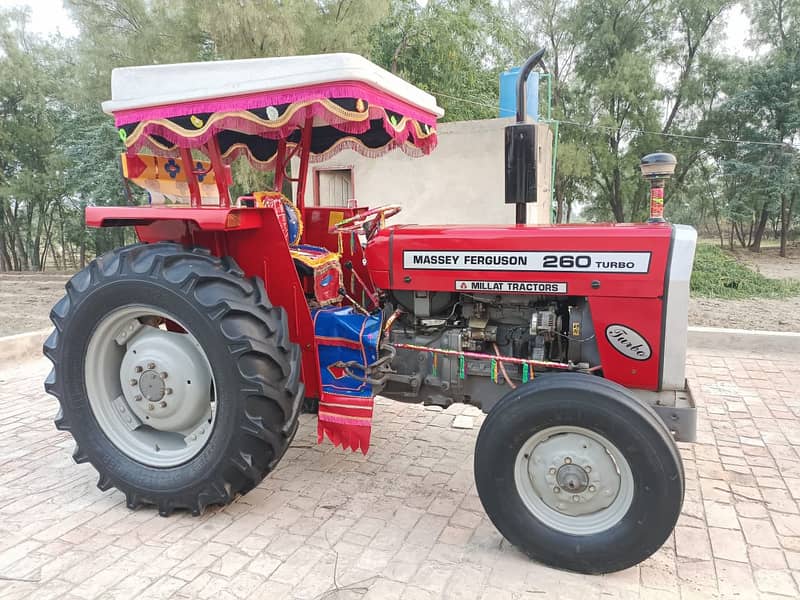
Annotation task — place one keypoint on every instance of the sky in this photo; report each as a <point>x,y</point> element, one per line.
<point>49,16</point>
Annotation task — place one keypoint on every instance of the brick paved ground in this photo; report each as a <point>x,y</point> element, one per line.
<point>404,522</point>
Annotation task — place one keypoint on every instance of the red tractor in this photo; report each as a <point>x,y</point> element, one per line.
<point>181,363</point>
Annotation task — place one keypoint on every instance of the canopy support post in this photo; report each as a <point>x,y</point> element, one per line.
<point>280,165</point>
<point>191,179</point>
<point>220,173</point>
<point>305,152</point>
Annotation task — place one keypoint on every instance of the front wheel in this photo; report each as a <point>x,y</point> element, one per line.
<point>174,374</point>
<point>578,474</point>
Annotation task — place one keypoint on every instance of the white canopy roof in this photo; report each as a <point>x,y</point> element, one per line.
<point>156,85</point>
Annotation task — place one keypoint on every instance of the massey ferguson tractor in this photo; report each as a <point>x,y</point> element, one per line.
<point>181,363</point>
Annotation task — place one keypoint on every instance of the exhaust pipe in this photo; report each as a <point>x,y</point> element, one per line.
<point>520,146</point>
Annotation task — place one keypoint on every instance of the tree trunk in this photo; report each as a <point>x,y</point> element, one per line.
<point>5,259</point>
<point>616,196</point>
<point>48,244</point>
<point>755,245</point>
<point>559,193</point>
<point>786,220</point>
<point>739,229</point>
<point>16,244</point>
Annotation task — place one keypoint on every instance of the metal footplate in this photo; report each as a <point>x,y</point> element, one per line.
<point>676,408</point>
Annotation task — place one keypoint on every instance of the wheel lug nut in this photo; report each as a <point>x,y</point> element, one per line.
<point>556,489</point>
<point>137,398</point>
<point>168,391</point>
<point>576,498</point>
<point>151,365</point>
<point>134,382</point>
<point>567,461</point>
<point>587,468</point>
<point>138,369</point>
<point>163,404</point>
<point>591,488</point>
<point>150,406</point>
<point>164,375</point>
<point>552,470</point>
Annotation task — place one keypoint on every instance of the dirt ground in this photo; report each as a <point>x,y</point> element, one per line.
<point>755,313</point>
<point>770,264</point>
<point>25,299</point>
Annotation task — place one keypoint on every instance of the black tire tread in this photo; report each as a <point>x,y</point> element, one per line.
<point>260,442</point>
<point>561,550</point>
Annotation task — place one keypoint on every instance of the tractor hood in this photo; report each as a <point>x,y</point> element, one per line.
<point>620,260</point>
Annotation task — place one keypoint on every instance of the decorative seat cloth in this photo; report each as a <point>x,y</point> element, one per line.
<point>320,264</point>
<point>345,336</point>
<point>325,269</point>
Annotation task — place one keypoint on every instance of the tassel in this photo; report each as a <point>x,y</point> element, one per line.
<point>346,421</point>
<point>461,367</point>
<point>525,369</point>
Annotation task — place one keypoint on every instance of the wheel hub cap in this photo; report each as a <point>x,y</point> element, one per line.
<point>152,386</point>
<point>573,479</point>
<point>168,381</point>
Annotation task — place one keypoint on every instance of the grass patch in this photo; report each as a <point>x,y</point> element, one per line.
<point>718,275</point>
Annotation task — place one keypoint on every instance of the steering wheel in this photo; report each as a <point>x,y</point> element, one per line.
<point>357,222</point>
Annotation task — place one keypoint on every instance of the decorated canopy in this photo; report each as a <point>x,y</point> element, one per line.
<point>251,105</point>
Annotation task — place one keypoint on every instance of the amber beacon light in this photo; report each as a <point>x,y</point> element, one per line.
<point>657,168</point>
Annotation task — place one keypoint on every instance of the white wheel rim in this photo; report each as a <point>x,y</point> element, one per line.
<point>151,390</point>
<point>574,480</point>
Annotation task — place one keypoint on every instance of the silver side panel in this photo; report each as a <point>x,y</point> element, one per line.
<point>677,313</point>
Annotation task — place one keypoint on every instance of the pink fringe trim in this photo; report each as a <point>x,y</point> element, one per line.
<point>345,89</point>
<point>349,438</point>
<point>174,134</point>
<point>348,143</point>
<point>341,420</point>
<point>341,429</point>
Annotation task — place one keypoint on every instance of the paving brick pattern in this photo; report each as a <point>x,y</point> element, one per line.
<point>403,522</point>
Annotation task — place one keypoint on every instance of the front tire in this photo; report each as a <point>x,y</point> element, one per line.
<point>576,472</point>
<point>174,374</point>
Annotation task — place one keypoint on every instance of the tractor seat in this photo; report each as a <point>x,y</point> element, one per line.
<point>319,267</point>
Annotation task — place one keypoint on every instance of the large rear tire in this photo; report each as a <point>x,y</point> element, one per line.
<point>174,374</point>
<point>580,475</point>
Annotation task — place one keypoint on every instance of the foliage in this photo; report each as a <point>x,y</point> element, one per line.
<point>628,77</point>
<point>452,48</point>
<point>717,274</point>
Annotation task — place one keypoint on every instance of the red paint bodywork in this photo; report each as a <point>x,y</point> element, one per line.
<point>633,300</point>
<point>252,236</point>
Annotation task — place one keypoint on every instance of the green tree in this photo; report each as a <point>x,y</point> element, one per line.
<point>30,169</point>
<point>777,90</point>
<point>454,49</point>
